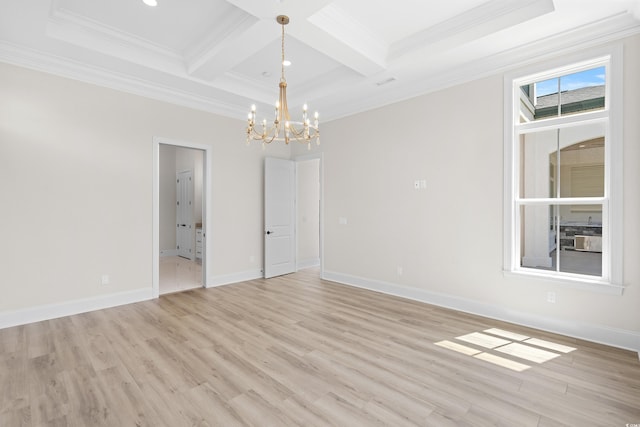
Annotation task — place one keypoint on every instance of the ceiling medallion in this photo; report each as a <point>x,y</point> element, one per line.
<point>283,128</point>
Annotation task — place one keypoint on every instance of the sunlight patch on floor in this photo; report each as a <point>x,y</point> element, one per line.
<point>502,361</point>
<point>517,346</point>
<point>483,340</point>
<point>527,352</point>
<point>458,347</point>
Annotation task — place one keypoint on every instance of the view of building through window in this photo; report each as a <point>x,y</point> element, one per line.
<point>561,197</point>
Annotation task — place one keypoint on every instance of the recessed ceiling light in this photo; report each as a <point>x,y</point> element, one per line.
<point>286,62</point>
<point>152,3</point>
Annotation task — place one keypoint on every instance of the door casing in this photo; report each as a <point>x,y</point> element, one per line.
<point>207,200</point>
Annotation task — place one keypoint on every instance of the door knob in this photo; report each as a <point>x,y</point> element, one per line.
<point>269,232</point>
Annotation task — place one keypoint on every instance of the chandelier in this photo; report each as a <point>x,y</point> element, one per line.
<point>283,128</point>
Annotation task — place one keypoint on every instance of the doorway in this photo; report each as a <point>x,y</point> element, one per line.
<point>181,213</point>
<point>293,215</point>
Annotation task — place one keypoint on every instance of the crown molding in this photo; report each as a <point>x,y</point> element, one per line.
<point>608,30</point>
<point>480,21</point>
<point>81,31</point>
<point>64,67</point>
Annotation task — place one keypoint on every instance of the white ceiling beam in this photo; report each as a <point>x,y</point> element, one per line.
<point>326,28</point>
<point>489,18</point>
<point>215,57</point>
<point>341,37</point>
<point>269,10</point>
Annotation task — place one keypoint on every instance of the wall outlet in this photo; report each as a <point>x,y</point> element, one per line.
<point>342,221</point>
<point>551,297</point>
<point>104,279</point>
<point>400,271</point>
<point>416,184</point>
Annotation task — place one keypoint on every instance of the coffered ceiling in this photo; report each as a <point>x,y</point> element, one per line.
<point>347,55</point>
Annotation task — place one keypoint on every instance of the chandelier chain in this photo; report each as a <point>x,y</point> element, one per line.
<point>282,79</point>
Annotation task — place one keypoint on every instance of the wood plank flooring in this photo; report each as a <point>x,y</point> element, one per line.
<point>298,351</point>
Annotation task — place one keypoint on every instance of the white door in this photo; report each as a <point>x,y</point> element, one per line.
<point>184,214</point>
<point>279,217</point>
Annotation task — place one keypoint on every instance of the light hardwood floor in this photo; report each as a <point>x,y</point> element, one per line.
<point>298,351</point>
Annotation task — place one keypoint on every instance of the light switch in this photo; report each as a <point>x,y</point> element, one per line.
<point>342,220</point>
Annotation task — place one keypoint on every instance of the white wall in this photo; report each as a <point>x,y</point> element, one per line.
<point>76,164</point>
<point>447,238</point>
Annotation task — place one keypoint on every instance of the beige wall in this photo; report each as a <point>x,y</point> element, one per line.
<point>447,238</point>
<point>76,180</point>
<point>308,212</point>
<point>167,198</point>
<point>76,166</point>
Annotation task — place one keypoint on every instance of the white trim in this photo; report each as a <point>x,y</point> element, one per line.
<point>207,220</point>
<point>308,263</point>
<point>612,216</point>
<point>621,338</point>
<point>228,279</point>
<point>568,280</point>
<point>54,311</point>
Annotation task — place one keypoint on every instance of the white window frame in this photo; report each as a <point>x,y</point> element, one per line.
<point>611,280</point>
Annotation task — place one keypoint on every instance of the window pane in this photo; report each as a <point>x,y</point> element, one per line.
<point>537,237</point>
<point>581,169</point>
<point>572,245</point>
<point>566,162</point>
<point>575,93</point>
<point>581,239</point>
<point>538,164</point>
<point>583,91</point>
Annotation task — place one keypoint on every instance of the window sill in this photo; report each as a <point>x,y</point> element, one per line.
<point>579,283</point>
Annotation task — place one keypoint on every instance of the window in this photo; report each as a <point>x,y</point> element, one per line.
<point>563,197</point>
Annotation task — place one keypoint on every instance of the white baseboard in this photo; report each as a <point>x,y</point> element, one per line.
<point>168,252</point>
<point>308,263</point>
<point>621,338</point>
<point>227,279</point>
<point>53,311</point>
